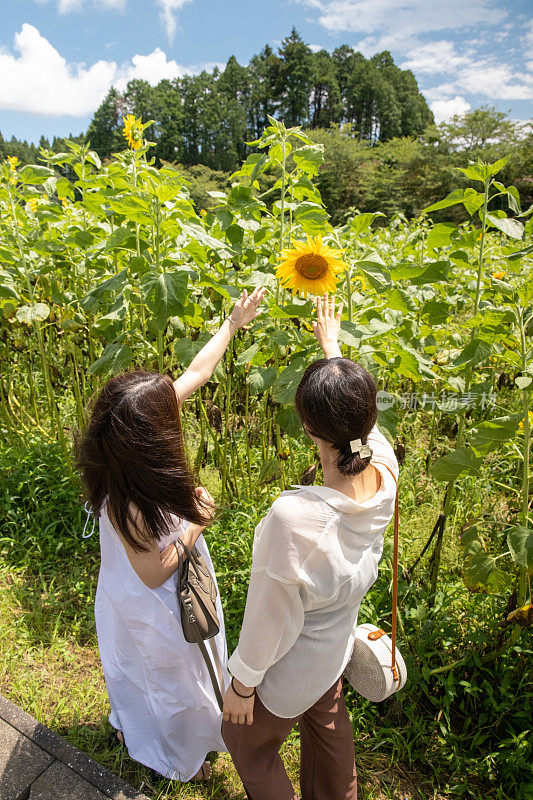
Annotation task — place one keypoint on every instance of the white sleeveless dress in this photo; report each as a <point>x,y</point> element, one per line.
<point>159,687</point>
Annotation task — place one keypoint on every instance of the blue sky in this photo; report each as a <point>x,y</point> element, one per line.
<point>58,58</point>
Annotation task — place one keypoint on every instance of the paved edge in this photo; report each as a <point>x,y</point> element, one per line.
<point>66,753</point>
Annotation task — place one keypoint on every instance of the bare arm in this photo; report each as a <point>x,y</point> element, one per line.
<point>327,325</point>
<point>154,567</point>
<point>203,364</point>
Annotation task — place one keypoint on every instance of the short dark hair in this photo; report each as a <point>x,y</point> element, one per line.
<point>336,402</point>
<point>132,451</point>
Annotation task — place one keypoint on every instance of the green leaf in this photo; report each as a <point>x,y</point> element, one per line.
<point>240,197</point>
<point>185,350</point>
<point>448,467</point>
<point>412,363</point>
<point>473,172</point>
<point>376,274</point>
<point>83,238</point>
<point>117,239</point>
<point>511,227</point>
<point>199,235</point>
<point>436,311</point>
<point>288,419</point>
<point>520,543</point>
<point>362,222</point>
<point>224,217</point>
<point>6,255</point>
<point>35,313</point>
<point>311,217</point>
<point>113,284</point>
<point>260,380</point>
<point>493,169</point>
<point>489,435</point>
<point>388,419</point>
<point>235,235</point>
<point>523,381</point>
<point>247,355</point>
<point>94,159</point>
<point>114,359</point>
<point>308,158</point>
<point>473,200</point>
<point>7,290</point>
<point>481,573</point>
<point>33,173</point>
<point>269,471</point>
<point>352,334</point>
<point>418,274</point>
<point>133,208</point>
<point>452,199</point>
<point>476,350</point>
<point>286,384</point>
<point>166,295</point>
<point>399,300</point>
<point>440,235</point>
<point>49,246</point>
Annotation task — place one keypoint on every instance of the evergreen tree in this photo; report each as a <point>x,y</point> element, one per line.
<point>104,129</point>
<point>294,79</point>
<point>326,103</point>
<point>263,71</point>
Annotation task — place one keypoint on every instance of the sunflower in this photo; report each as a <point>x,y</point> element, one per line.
<point>311,267</point>
<point>133,131</point>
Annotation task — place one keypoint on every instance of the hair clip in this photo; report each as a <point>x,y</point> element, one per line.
<point>357,446</point>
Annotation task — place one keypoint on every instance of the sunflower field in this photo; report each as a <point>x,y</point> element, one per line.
<point>109,267</point>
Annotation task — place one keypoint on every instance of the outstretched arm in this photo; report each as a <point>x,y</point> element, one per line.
<point>203,364</point>
<point>327,325</point>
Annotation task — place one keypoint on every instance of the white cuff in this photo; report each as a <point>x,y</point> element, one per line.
<point>246,675</point>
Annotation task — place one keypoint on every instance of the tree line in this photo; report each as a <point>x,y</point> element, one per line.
<point>383,151</point>
<point>209,118</point>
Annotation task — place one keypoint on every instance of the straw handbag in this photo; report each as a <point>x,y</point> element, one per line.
<point>376,668</point>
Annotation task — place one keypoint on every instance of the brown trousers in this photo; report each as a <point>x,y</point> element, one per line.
<point>327,764</point>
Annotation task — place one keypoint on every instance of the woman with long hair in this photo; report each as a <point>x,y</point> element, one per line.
<point>132,461</point>
<point>315,556</point>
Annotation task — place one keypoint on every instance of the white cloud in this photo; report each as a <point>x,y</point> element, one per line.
<point>38,80</point>
<point>434,57</point>
<point>152,68</point>
<point>497,81</point>
<point>396,24</point>
<point>65,6</point>
<point>444,110</point>
<point>167,15</point>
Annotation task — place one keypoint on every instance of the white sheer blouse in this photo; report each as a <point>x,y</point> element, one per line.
<point>315,556</point>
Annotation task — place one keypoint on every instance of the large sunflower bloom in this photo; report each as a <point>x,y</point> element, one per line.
<point>310,267</point>
<point>133,131</point>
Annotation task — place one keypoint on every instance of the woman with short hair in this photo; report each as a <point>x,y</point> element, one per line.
<point>315,557</point>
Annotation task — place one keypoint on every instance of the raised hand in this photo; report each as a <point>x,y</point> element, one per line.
<point>247,307</point>
<point>327,325</point>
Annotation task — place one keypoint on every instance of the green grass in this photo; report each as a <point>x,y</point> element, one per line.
<point>463,734</point>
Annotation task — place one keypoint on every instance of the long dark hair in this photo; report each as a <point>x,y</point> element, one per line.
<point>336,402</point>
<point>132,451</point>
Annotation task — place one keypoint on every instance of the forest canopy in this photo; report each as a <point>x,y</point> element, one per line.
<point>382,147</point>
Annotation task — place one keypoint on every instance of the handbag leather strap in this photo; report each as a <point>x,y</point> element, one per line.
<point>208,662</point>
<point>394,668</point>
<point>217,684</point>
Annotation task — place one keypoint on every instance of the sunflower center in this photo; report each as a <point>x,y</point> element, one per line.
<point>311,266</point>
